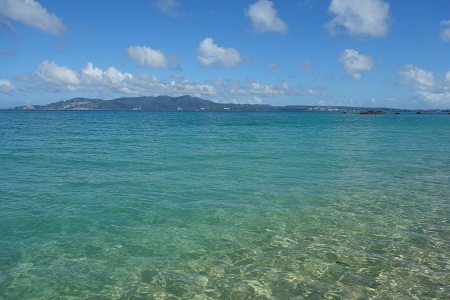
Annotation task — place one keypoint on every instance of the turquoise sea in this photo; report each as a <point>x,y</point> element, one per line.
<point>209,205</point>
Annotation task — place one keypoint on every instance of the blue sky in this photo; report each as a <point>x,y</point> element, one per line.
<point>392,53</point>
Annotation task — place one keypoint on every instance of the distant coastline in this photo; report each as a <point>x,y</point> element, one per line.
<point>189,103</point>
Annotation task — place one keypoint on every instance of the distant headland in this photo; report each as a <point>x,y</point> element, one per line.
<point>187,103</point>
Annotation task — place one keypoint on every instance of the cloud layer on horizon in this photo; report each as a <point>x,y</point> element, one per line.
<point>50,76</point>
<point>428,88</point>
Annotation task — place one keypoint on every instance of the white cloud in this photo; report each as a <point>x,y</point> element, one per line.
<point>210,53</point>
<point>6,86</point>
<point>109,80</point>
<point>318,92</point>
<point>435,92</point>
<point>256,88</point>
<point>33,14</point>
<point>56,75</point>
<point>353,62</point>
<point>264,17</point>
<point>147,57</point>
<point>437,97</point>
<point>61,78</point>
<point>168,7</point>
<point>360,17</point>
<point>182,87</point>
<point>91,74</point>
<point>420,78</point>
<point>445,32</point>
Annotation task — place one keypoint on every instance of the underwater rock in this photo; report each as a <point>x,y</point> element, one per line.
<point>148,275</point>
<point>372,112</point>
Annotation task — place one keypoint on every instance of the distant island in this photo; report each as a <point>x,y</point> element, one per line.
<point>186,103</point>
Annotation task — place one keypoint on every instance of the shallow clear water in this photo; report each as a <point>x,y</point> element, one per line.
<point>147,205</point>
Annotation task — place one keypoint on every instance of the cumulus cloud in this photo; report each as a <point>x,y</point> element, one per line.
<point>360,17</point>
<point>353,63</point>
<point>147,57</point>
<point>429,89</point>
<point>109,80</point>
<point>420,78</point>
<point>264,17</point>
<point>210,53</point>
<point>32,14</point>
<point>168,7</point>
<point>445,32</point>
<point>6,86</point>
<point>58,76</point>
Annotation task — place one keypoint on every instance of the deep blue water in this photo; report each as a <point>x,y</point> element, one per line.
<point>148,205</point>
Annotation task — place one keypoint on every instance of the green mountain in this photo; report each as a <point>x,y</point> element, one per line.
<point>184,103</point>
<point>159,103</point>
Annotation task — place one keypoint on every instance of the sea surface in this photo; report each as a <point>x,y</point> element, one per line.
<point>210,205</point>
